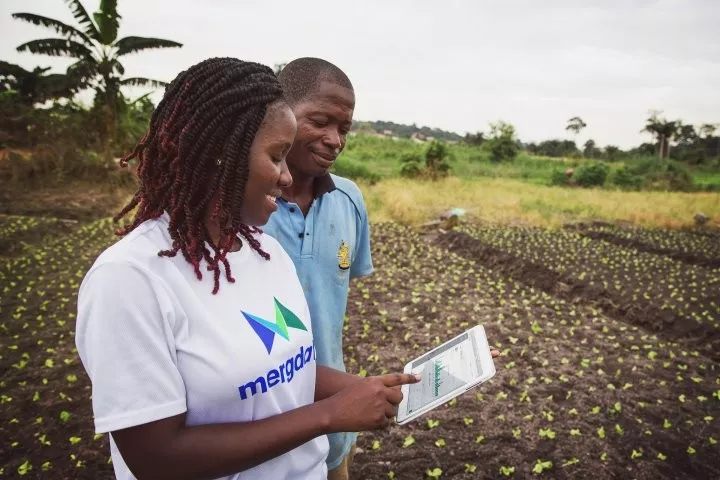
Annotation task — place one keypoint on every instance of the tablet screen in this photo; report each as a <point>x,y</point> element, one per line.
<point>444,370</point>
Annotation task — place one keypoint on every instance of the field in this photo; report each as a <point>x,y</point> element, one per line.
<point>511,202</point>
<point>610,336</point>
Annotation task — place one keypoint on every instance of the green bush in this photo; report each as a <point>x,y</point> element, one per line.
<point>627,180</point>
<point>411,165</point>
<point>559,178</point>
<point>670,176</point>
<point>502,149</point>
<point>437,159</point>
<point>661,174</point>
<point>434,164</point>
<point>345,167</point>
<point>502,143</point>
<point>591,175</point>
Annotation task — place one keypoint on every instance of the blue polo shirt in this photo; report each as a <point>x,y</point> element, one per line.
<point>329,246</point>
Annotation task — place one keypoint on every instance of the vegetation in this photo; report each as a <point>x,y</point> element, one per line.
<point>36,86</point>
<point>433,164</point>
<point>405,131</point>
<point>511,201</point>
<point>97,52</point>
<point>608,332</point>
<point>502,143</point>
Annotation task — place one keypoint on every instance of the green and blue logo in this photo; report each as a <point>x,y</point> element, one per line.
<point>267,330</point>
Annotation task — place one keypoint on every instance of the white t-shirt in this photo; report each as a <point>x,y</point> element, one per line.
<point>156,343</point>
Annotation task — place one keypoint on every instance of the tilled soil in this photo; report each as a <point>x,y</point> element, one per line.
<point>580,391</point>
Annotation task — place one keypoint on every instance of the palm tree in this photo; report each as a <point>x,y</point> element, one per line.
<point>575,125</point>
<point>97,51</point>
<point>663,130</point>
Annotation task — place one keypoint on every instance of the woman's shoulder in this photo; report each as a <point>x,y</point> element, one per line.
<point>277,253</point>
<point>138,249</point>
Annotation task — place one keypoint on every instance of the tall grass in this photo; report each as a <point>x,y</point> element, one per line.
<point>507,201</point>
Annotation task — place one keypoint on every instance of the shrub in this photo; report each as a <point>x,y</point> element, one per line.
<point>502,143</point>
<point>345,167</point>
<point>437,159</point>
<point>559,177</point>
<point>626,179</point>
<point>670,176</point>
<point>435,164</point>
<point>662,174</point>
<point>592,174</point>
<point>411,165</point>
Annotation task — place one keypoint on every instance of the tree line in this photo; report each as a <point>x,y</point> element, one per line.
<point>672,139</point>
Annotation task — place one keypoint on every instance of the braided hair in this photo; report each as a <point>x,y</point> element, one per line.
<point>196,150</point>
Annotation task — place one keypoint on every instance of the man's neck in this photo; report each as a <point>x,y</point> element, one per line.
<point>303,186</point>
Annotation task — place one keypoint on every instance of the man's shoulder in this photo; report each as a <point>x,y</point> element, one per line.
<point>348,188</point>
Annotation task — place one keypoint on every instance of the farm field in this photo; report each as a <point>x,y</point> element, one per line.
<point>609,338</point>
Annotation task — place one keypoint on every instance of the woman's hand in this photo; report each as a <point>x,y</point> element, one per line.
<point>369,404</point>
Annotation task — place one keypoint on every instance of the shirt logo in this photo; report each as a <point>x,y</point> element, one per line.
<point>343,256</point>
<point>266,330</point>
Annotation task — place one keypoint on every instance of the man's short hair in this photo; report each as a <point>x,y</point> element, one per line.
<point>302,77</point>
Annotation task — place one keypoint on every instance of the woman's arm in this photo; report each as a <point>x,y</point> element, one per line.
<point>169,449</point>
<point>330,381</point>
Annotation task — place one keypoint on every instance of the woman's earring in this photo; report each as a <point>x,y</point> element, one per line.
<point>218,161</point>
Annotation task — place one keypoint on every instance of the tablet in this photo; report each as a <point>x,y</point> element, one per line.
<point>446,371</point>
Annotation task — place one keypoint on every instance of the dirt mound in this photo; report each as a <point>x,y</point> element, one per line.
<point>689,258</point>
<point>571,289</point>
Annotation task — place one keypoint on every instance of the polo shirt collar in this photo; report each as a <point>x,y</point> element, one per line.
<point>323,185</point>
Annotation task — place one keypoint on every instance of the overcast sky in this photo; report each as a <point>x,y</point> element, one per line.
<point>455,65</point>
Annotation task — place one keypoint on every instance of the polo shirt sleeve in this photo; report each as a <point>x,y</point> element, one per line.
<point>124,336</point>
<point>362,262</point>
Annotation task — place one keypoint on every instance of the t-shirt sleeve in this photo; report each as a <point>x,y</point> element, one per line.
<point>124,336</point>
<point>362,263</point>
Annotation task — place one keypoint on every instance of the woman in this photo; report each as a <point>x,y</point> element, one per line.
<point>202,364</point>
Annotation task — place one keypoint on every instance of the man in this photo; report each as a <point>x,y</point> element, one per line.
<point>321,220</point>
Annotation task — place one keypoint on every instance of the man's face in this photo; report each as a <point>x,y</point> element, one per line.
<point>324,119</point>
